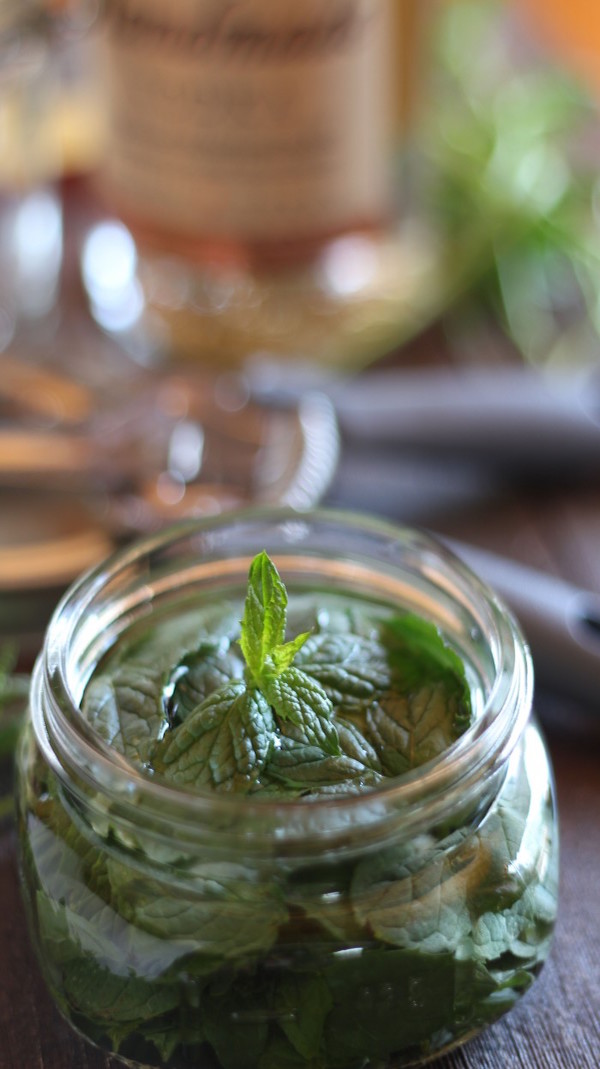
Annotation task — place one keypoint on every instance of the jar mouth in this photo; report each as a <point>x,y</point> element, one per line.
<point>317,543</point>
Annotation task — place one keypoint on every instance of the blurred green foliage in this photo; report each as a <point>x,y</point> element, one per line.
<point>511,184</point>
<point>14,691</point>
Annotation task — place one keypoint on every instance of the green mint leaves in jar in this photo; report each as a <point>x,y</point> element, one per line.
<point>323,710</point>
<point>306,851</point>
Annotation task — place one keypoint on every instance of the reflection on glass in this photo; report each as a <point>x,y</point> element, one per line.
<point>349,265</point>
<point>109,264</point>
<point>186,447</point>
<point>37,247</point>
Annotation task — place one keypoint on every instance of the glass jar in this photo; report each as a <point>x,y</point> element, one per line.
<point>187,928</point>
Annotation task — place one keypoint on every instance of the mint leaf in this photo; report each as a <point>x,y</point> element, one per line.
<point>299,764</point>
<point>126,708</point>
<point>282,656</point>
<point>103,996</point>
<point>280,1054</point>
<point>303,1003</point>
<point>303,766</point>
<point>351,668</point>
<point>407,730</point>
<point>236,1024</point>
<point>223,744</point>
<point>417,654</point>
<point>425,910</point>
<point>421,637</point>
<point>321,899</point>
<point>298,698</point>
<point>382,701</point>
<point>231,914</point>
<point>61,852</point>
<point>391,1004</point>
<point>354,744</point>
<point>226,739</point>
<point>91,930</point>
<point>263,622</point>
<point>199,674</point>
<point>166,1040</point>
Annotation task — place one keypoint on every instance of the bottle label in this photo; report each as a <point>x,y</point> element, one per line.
<point>257,120</point>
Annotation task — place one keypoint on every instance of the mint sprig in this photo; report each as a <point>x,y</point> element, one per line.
<point>326,710</point>
<point>262,637</point>
<point>227,740</point>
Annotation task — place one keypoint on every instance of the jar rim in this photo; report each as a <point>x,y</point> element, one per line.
<point>75,750</point>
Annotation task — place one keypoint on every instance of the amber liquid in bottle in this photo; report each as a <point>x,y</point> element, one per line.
<point>246,139</point>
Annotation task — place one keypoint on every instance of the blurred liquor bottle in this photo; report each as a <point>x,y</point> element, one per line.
<point>257,154</point>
